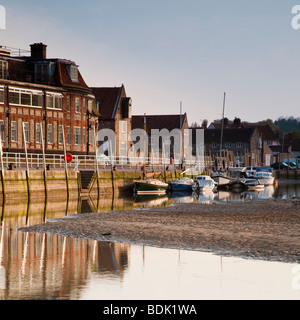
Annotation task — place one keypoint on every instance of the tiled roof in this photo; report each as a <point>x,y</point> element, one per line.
<point>64,79</point>
<point>169,122</point>
<point>108,98</point>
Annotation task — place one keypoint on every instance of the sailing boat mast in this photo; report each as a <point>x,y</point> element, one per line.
<point>222,130</point>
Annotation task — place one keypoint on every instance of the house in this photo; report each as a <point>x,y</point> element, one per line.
<point>37,92</point>
<point>115,114</point>
<point>169,122</point>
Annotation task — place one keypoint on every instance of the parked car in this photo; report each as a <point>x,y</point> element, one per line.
<point>103,159</point>
<point>280,166</point>
<point>292,165</point>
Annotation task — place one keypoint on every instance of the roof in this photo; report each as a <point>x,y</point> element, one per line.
<point>108,98</point>
<point>229,135</point>
<point>168,121</point>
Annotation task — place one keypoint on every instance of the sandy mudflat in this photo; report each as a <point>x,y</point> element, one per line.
<point>264,229</point>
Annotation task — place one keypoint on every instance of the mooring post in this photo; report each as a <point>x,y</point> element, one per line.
<point>26,158</point>
<point>2,170</point>
<point>97,167</point>
<point>44,161</point>
<point>66,165</point>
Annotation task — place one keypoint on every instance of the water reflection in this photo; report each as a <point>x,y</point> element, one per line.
<point>40,266</point>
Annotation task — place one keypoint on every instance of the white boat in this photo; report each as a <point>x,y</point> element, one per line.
<point>204,183</point>
<point>266,178</point>
<point>221,179</point>
<point>253,184</point>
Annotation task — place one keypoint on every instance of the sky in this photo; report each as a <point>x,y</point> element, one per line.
<point>169,53</point>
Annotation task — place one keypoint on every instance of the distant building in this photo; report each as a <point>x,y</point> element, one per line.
<point>36,90</point>
<point>115,114</point>
<point>159,122</point>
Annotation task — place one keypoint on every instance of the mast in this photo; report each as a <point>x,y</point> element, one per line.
<point>222,130</point>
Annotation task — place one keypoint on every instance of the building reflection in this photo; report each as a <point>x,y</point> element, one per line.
<point>44,266</point>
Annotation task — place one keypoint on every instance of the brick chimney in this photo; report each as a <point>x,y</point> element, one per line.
<point>38,51</point>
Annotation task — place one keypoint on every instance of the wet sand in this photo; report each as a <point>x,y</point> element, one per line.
<point>267,230</point>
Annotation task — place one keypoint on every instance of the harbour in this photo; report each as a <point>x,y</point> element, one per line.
<point>53,266</point>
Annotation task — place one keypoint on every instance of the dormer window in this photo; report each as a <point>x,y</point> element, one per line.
<point>3,69</point>
<point>74,73</point>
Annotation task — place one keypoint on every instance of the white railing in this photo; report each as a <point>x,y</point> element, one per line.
<point>57,162</point>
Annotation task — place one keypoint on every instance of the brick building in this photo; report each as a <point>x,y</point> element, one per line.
<point>36,91</point>
<point>115,114</point>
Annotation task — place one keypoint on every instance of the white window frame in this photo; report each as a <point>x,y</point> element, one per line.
<point>240,145</point>
<point>74,73</point>
<point>38,133</point>
<point>60,134</point>
<point>56,104</point>
<point>77,136</point>
<point>123,149</point>
<point>2,90</point>
<point>228,145</point>
<point>214,145</point>
<point>49,131</point>
<point>27,131</point>
<point>31,93</point>
<point>68,135</point>
<point>14,131</point>
<point>77,105</point>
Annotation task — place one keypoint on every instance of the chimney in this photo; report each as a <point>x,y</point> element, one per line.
<point>237,122</point>
<point>38,51</point>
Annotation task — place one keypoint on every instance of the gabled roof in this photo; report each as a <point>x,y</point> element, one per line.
<point>108,98</point>
<point>168,121</point>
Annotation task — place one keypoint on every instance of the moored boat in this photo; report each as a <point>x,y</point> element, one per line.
<point>204,183</point>
<point>150,186</point>
<point>182,184</point>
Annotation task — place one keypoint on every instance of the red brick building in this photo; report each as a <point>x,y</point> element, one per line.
<point>36,90</point>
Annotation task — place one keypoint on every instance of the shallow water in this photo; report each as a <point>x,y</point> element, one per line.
<point>36,266</point>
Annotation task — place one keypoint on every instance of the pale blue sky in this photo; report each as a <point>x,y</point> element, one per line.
<point>167,51</point>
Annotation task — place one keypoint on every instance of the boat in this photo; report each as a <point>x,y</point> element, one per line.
<point>221,179</point>
<point>150,186</point>
<point>182,184</point>
<point>265,177</point>
<point>254,184</point>
<point>204,183</point>
<point>239,179</point>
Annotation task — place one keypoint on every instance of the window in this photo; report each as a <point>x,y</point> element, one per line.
<point>50,133</point>
<point>123,149</point>
<point>60,134</point>
<point>68,103</point>
<point>27,98</point>
<point>14,131</point>
<point>83,105</point>
<point>77,136</point>
<point>239,144</point>
<point>26,131</point>
<point>3,69</point>
<point>91,137</point>
<point>74,73</point>
<point>1,95</point>
<point>77,105</point>
<point>90,105</point>
<point>41,72</point>
<point>68,135</point>
<point>38,132</point>
<point>227,144</point>
<point>54,101</point>
<point>84,136</point>
<point>2,129</point>
<point>123,125</point>
<point>214,145</point>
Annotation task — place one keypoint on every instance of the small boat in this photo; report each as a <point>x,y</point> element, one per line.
<point>266,178</point>
<point>204,183</point>
<point>182,184</point>
<point>221,179</point>
<point>254,184</point>
<point>150,186</point>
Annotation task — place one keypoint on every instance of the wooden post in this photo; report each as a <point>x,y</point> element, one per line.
<point>44,161</point>
<point>2,170</point>
<point>96,155</point>
<point>66,165</point>
<point>26,157</point>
